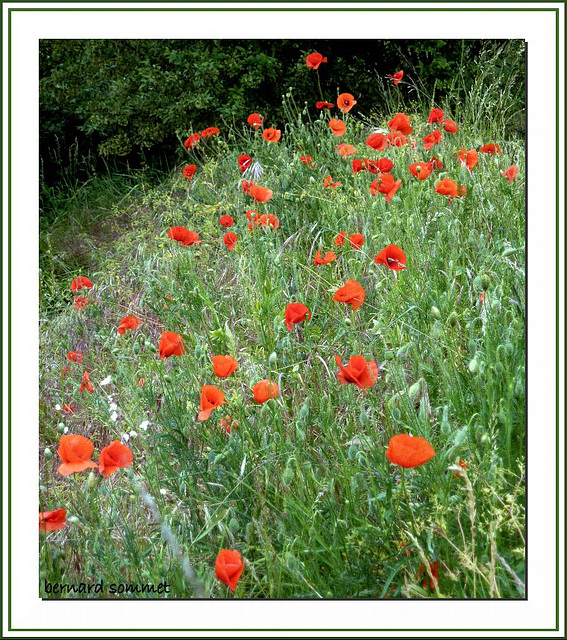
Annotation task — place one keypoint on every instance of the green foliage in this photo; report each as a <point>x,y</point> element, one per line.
<point>123,95</point>
<point>301,486</point>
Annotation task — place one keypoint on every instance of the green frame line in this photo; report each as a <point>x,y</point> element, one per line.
<point>272,9</point>
<point>279,9</point>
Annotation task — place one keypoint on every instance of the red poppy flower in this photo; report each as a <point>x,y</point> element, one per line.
<point>69,408</point>
<point>260,194</point>
<point>464,465</point>
<point>356,240</point>
<point>189,171</point>
<point>351,293</point>
<point>65,371</point>
<point>511,173</point>
<point>52,520</point>
<point>265,390</point>
<point>75,452</point>
<point>447,187</point>
<point>345,102</point>
<point>224,366</point>
<point>129,322</point>
<point>313,60</point>
<point>226,221</point>
<point>244,161</point>
<point>364,165</point>
<point>271,135</point>
<point>326,259</point>
<point>358,371</point>
<point>396,139</point>
<point>308,160</point>
<point>340,238</point>
<point>85,384</point>
<point>81,283</point>
<point>345,150</point>
<point>386,184</point>
<point>384,165</point>
<point>114,457</point>
<point>377,141</point>
<point>75,356</point>
<point>296,312</point>
<point>450,126</point>
<point>408,451</point>
<point>435,115</point>
<point>210,132</point>
<point>357,165</point>
<point>397,77</point>
<point>421,170</point>
<point>432,139</point>
<point>338,127</point>
<point>228,423</point>
<point>264,220</point>
<point>328,182</point>
<point>184,236</point>
<point>229,567</point>
<point>393,257</point>
<point>435,163</point>
<point>255,120</point>
<point>171,344</point>
<point>192,140</point>
<point>400,122</point>
<point>491,148</point>
<point>211,398</point>
<point>230,240</point>
<point>469,159</point>
<point>324,105</point>
<point>428,582</point>
<point>379,185</point>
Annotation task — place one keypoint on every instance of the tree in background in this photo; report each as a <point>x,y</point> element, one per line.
<point>121,97</point>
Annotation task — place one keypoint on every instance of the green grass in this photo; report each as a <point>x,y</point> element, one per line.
<point>301,487</point>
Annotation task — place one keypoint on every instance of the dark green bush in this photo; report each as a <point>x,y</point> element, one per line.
<point>119,97</point>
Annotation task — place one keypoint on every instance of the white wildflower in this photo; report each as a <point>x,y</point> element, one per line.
<point>106,381</point>
<point>144,425</point>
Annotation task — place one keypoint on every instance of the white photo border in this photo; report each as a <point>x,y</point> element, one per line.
<point>28,613</point>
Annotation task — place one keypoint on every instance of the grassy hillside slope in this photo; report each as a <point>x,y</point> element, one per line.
<point>301,486</point>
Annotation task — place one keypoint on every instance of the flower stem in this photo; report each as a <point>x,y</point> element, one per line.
<point>407,497</point>
<point>319,85</point>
